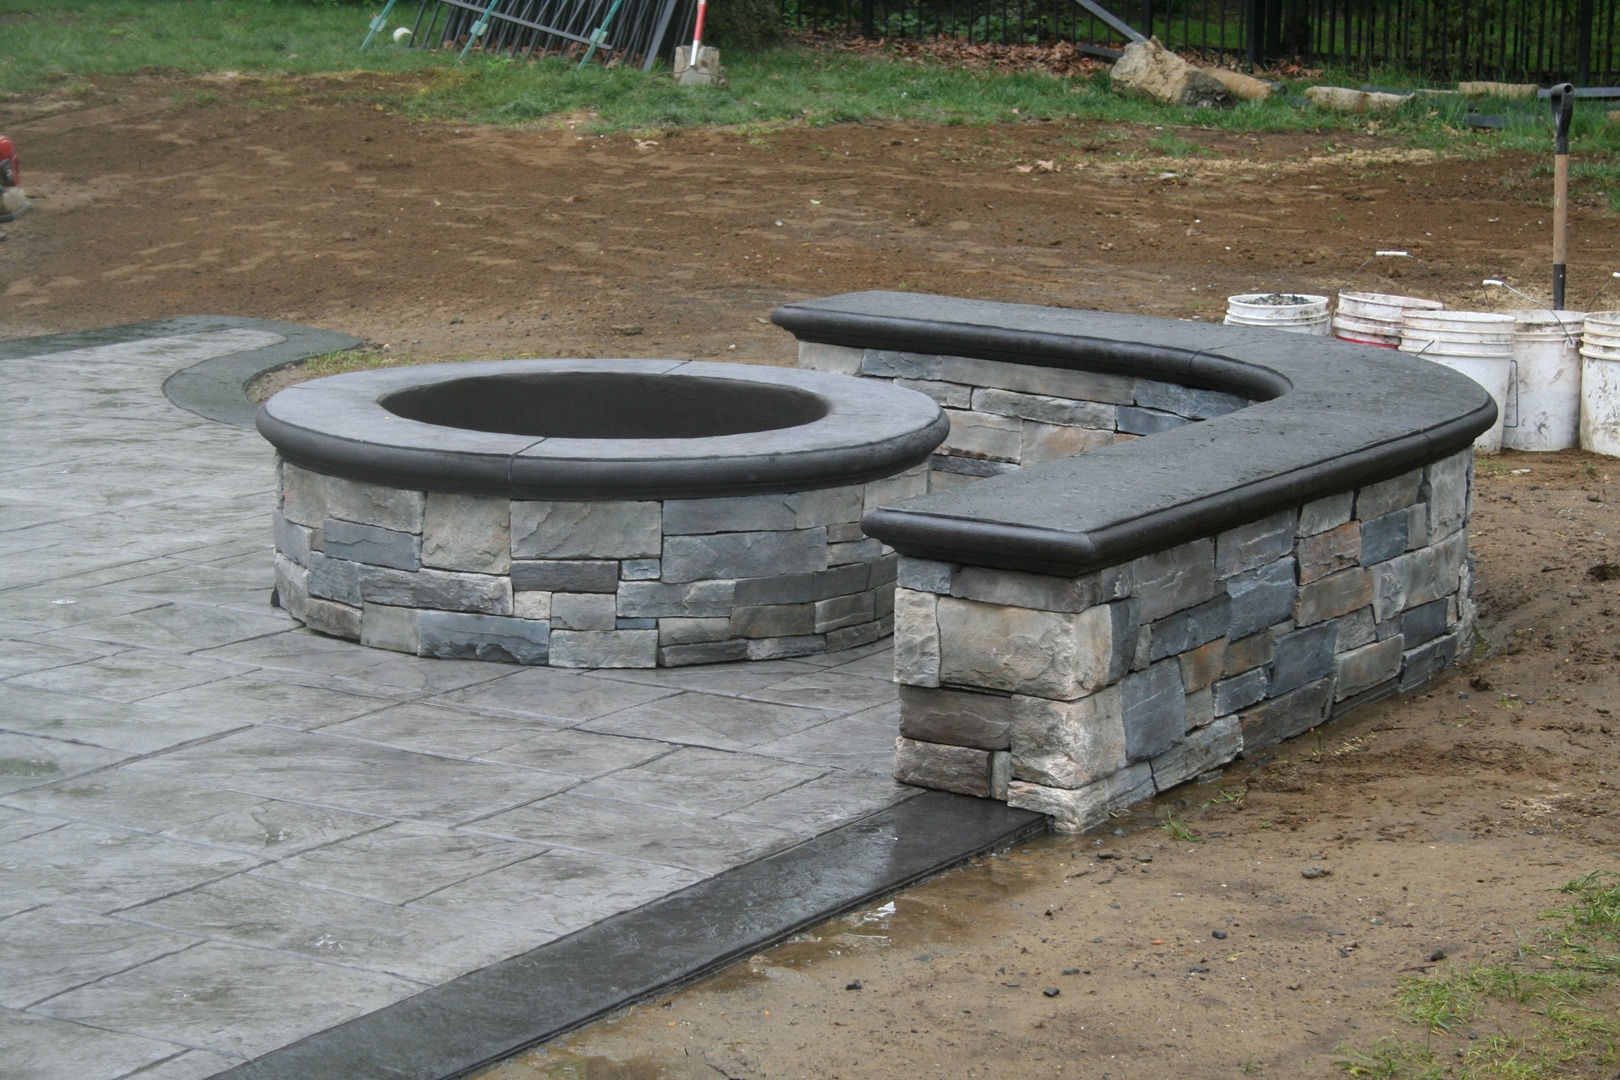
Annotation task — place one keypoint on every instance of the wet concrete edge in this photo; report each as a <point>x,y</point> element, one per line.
<point>490,1014</point>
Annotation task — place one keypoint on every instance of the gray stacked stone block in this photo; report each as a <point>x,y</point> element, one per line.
<point>1303,656</point>
<point>565,575</point>
<point>744,555</point>
<point>469,636</point>
<point>370,544</point>
<point>1385,537</point>
<point>588,584</point>
<point>1328,512</point>
<point>291,586</point>
<point>467,532</point>
<point>1254,545</point>
<point>293,541</point>
<point>584,611</point>
<point>1068,744</point>
<point>585,530</point>
<point>604,648</point>
<point>956,717</point>
<point>330,617</point>
<point>395,628</point>
<point>961,769</point>
<point>1204,748</point>
<point>1153,708</point>
<point>445,590</point>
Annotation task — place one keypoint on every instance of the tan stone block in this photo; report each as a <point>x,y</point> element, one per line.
<point>1058,655</point>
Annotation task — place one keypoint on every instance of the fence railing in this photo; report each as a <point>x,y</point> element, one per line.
<point>1512,40</point>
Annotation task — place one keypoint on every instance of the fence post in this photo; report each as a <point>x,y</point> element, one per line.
<point>1257,32</point>
<point>1583,44</point>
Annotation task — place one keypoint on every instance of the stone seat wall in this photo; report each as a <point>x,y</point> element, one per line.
<point>1104,616</point>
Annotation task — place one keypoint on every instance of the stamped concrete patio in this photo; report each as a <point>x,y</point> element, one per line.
<point>230,844</point>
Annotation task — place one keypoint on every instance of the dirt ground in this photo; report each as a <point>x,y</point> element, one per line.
<point>1445,822</point>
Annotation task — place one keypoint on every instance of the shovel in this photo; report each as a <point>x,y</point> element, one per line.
<point>1563,107</point>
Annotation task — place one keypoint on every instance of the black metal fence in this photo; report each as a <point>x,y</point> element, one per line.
<point>1510,40</point>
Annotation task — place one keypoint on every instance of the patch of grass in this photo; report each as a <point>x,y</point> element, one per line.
<point>1550,1011</point>
<point>1177,830</point>
<point>61,44</point>
<point>49,41</point>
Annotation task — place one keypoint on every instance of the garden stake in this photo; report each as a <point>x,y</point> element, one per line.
<point>477,30</point>
<point>377,24</point>
<point>1563,106</point>
<point>599,35</point>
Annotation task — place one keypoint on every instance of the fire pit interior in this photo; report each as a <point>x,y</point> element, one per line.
<point>623,513</point>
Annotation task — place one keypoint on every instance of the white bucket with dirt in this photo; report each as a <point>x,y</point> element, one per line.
<point>1546,408</point>
<point>1375,318</point>
<point>1291,312</point>
<point>1600,383</point>
<point>1473,343</point>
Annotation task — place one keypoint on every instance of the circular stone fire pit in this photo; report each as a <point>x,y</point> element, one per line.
<point>605,513</point>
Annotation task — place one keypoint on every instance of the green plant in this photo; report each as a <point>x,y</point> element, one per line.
<point>1177,830</point>
<point>1553,1005</point>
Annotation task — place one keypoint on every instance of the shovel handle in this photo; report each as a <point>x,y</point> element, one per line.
<point>1563,107</point>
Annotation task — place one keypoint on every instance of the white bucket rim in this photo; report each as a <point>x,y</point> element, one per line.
<point>1394,300</point>
<point>1546,321</point>
<point>1600,352</point>
<point>1456,320</point>
<point>1245,302</point>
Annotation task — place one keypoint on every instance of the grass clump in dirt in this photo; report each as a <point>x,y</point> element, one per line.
<point>1551,1011</point>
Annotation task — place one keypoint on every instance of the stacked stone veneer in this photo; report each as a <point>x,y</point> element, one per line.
<point>1004,415</point>
<point>586,584</point>
<point>1076,696</point>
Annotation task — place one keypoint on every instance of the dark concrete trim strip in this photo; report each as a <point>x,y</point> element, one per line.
<point>217,389</point>
<point>1328,417</point>
<point>490,1014</point>
<point>214,388</point>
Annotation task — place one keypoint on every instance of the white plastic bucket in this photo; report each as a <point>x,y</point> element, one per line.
<point>1290,312</point>
<point>1545,413</point>
<point>1375,318</point>
<point>1366,331</point>
<point>1474,343</point>
<point>1600,383</point>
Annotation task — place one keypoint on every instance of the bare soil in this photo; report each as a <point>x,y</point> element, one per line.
<point>1443,823</point>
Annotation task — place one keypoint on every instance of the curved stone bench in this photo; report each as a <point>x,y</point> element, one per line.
<point>1100,615</point>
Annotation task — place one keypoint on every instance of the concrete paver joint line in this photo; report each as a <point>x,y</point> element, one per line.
<point>228,834</point>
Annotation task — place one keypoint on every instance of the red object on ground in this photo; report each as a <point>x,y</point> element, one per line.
<point>8,163</point>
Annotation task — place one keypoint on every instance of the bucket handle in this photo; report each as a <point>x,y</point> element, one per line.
<point>1562,326</point>
<point>1385,255</point>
